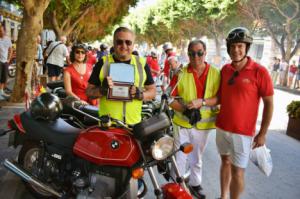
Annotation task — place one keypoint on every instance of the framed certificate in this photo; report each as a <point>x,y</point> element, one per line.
<point>123,78</point>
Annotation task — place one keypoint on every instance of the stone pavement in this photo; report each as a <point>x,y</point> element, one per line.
<point>283,183</point>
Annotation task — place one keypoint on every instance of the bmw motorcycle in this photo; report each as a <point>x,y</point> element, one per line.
<point>57,160</point>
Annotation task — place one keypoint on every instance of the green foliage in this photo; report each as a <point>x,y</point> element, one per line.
<point>85,19</point>
<point>293,109</point>
<point>278,18</point>
<point>180,19</point>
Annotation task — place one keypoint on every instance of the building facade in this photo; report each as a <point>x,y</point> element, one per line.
<point>11,16</point>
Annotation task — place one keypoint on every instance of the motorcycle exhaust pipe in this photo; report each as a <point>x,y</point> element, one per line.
<point>30,179</point>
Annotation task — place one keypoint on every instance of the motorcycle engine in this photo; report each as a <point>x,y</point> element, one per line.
<point>100,187</point>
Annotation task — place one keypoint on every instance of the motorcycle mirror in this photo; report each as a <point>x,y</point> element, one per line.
<point>137,173</point>
<point>186,148</point>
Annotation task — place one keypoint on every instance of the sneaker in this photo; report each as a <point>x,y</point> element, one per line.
<point>2,98</point>
<point>5,95</point>
<point>197,191</point>
<point>7,90</point>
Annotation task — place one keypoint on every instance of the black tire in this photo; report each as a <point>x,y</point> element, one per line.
<point>28,154</point>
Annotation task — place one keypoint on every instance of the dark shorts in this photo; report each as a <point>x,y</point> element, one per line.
<point>54,70</point>
<point>3,72</point>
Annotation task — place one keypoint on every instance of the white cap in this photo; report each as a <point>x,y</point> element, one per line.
<point>167,46</point>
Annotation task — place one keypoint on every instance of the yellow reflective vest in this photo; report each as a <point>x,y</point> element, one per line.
<point>129,112</point>
<point>187,90</point>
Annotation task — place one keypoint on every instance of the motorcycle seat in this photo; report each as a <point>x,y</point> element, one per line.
<point>56,132</point>
<point>91,110</point>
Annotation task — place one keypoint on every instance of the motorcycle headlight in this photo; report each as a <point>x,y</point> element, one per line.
<point>162,148</point>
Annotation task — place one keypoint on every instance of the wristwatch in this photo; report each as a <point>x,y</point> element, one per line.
<point>203,102</point>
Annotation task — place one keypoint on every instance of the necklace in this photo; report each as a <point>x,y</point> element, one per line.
<point>80,69</point>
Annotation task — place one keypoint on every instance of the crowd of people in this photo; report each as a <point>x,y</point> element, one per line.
<point>202,96</point>
<point>280,68</point>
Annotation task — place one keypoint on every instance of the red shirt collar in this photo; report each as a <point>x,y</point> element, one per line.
<point>250,65</point>
<point>191,70</point>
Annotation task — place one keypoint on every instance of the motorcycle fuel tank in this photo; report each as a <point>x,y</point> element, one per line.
<point>107,147</point>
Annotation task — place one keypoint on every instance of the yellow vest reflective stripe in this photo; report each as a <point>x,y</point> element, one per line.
<point>129,112</point>
<point>187,90</point>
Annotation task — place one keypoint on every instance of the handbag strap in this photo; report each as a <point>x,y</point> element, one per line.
<point>53,49</point>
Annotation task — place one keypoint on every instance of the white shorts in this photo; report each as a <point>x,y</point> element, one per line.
<point>237,146</point>
<point>291,74</point>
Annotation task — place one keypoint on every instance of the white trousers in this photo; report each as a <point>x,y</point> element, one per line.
<point>193,160</point>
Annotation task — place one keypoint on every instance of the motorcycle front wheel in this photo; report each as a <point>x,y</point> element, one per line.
<point>28,159</point>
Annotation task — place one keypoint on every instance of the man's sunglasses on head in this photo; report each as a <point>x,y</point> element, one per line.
<point>193,54</point>
<point>121,42</point>
<point>237,35</point>
<point>231,80</point>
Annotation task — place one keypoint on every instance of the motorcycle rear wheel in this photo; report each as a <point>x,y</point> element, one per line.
<point>27,158</point>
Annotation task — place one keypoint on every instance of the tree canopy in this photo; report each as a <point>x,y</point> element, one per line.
<point>85,19</point>
<point>278,18</point>
<point>174,20</point>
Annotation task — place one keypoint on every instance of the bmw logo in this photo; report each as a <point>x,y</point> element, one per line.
<point>115,144</point>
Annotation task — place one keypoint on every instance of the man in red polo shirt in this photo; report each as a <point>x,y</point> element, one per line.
<point>190,87</point>
<point>152,61</point>
<point>244,82</point>
<point>168,49</point>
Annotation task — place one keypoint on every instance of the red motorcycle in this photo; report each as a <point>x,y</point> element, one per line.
<point>58,160</point>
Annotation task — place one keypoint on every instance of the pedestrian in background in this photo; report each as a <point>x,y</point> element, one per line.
<point>56,54</point>
<point>168,49</point>
<point>275,70</point>
<point>283,67</point>
<point>5,58</point>
<point>175,66</point>
<point>39,56</point>
<point>152,61</point>
<point>292,73</point>
<point>297,81</point>
<point>45,69</point>
<point>103,51</point>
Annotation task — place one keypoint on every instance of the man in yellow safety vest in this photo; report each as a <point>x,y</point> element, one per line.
<point>190,87</point>
<point>143,88</point>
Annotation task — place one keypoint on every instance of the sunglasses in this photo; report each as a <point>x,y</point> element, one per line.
<point>120,42</point>
<point>231,80</point>
<point>80,51</point>
<point>198,53</point>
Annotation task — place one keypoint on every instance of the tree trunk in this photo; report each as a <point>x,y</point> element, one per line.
<point>218,42</point>
<point>32,24</point>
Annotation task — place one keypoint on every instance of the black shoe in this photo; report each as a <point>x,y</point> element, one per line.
<point>197,191</point>
<point>7,90</point>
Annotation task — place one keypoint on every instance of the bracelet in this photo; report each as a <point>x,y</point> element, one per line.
<point>139,95</point>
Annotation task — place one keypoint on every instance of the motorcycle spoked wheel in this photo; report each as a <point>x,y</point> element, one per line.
<point>27,159</point>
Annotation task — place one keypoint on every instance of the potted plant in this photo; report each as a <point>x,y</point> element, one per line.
<point>293,128</point>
